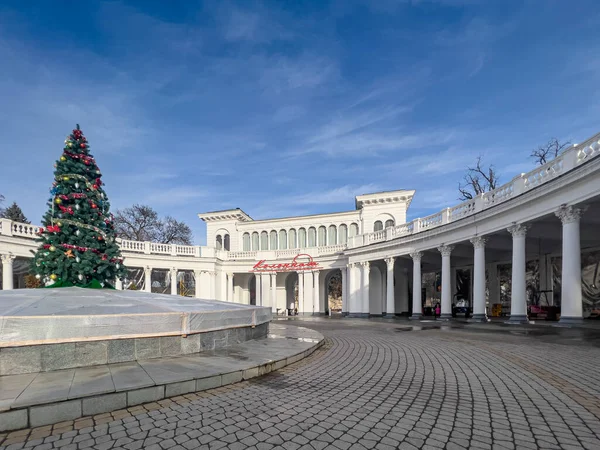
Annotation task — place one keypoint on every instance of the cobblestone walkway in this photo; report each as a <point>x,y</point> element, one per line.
<point>374,385</point>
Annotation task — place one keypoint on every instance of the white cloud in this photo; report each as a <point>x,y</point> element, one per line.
<point>343,194</point>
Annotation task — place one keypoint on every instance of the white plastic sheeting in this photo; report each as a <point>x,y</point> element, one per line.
<point>43,316</point>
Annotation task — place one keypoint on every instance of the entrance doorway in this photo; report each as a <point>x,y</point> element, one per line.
<point>333,292</point>
<point>291,294</point>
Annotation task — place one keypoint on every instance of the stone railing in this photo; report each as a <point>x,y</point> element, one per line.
<point>22,230</point>
<point>568,160</point>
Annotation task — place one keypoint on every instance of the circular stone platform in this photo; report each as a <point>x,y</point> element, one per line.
<point>50,329</point>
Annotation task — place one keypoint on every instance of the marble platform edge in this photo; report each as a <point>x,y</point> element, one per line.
<point>71,355</point>
<point>49,413</point>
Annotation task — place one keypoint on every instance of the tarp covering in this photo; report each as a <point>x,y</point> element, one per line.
<point>72,314</point>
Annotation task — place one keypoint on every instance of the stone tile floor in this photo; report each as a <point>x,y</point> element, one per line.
<point>376,384</point>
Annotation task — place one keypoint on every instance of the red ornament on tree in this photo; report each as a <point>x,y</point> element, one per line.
<point>95,186</point>
<point>82,145</point>
<point>94,206</point>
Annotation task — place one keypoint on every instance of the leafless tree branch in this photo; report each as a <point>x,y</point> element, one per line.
<point>549,151</point>
<point>478,180</point>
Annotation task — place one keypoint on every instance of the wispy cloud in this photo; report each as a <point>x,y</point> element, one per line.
<point>342,194</point>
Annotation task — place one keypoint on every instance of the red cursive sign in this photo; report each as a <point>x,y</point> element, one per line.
<point>287,267</point>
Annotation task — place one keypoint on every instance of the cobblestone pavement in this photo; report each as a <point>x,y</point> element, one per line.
<point>375,384</point>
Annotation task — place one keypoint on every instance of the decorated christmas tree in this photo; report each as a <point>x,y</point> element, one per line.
<point>77,241</point>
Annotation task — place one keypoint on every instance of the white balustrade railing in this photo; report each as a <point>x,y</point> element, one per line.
<point>568,160</point>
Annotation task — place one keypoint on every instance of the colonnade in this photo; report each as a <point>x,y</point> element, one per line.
<point>571,304</point>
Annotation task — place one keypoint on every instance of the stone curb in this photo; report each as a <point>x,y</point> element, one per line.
<point>52,413</point>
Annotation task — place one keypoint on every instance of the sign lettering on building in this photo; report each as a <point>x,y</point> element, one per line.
<point>296,265</point>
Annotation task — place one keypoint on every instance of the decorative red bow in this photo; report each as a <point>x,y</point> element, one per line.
<point>53,229</point>
<point>67,210</point>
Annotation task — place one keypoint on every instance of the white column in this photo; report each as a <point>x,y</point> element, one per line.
<point>148,279</point>
<point>258,277</point>
<point>265,289</point>
<point>274,292</point>
<point>479,309</point>
<point>7,271</point>
<point>223,285</point>
<point>390,307</point>
<point>571,310</point>
<point>300,292</point>
<point>345,280</point>
<point>316,291</point>
<point>352,278</point>
<point>446,310</point>
<point>197,283</point>
<point>417,312</point>
<point>366,270</point>
<point>229,296</point>
<point>173,281</point>
<point>212,277</point>
<point>518,301</point>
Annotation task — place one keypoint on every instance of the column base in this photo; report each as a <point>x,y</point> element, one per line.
<point>479,318</point>
<point>389,315</point>
<point>517,319</point>
<point>445,316</point>
<point>416,317</point>
<point>358,315</point>
<point>570,320</point>
<point>344,313</point>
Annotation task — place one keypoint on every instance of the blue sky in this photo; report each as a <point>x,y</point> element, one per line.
<point>289,108</point>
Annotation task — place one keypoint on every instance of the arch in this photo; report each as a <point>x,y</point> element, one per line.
<point>378,225</point>
<point>255,241</point>
<point>252,289</point>
<point>302,238</point>
<point>283,240</point>
<point>273,240</point>
<point>264,240</point>
<point>389,223</point>
<point>226,242</point>
<point>312,237</point>
<point>343,234</point>
<point>332,235</point>
<point>246,242</point>
<point>291,292</point>
<point>322,236</point>
<point>292,239</point>
<point>353,229</point>
<point>333,291</point>
<point>219,242</point>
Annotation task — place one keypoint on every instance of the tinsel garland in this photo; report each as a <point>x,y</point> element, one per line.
<point>87,160</point>
<point>85,249</point>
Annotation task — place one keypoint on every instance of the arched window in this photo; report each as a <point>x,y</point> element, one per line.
<point>219,243</point>
<point>273,240</point>
<point>255,241</point>
<point>389,223</point>
<point>322,236</point>
<point>302,238</point>
<point>343,237</point>
<point>246,242</point>
<point>264,240</point>
<point>293,243</point>
<point>282,240</point>
<point>332,235</point>
<point>353,229</point>
<point>378,225</point>
<point>312,237</point>
<point>226,242</point>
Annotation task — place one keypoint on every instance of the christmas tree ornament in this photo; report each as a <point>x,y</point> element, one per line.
<point>69,254</point>
<point>80,276</point>
<point>77,259</point>
<point>38,276</point>
<point>76,185</point>
<point>62,158</point>
<point>58,201</point>
<point>59,224</point>
<point>65,178</point>
<point>52,248</point>
<point>77,206</point>
<point>77,232</point>
<point>53,276</point>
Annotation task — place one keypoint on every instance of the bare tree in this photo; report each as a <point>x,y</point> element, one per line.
<point>142,223</point>
<point>478,180</point>
<point>549,151</point>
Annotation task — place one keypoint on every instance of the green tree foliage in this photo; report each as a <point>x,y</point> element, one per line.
<point>13,212</point>
<point>77,241</point>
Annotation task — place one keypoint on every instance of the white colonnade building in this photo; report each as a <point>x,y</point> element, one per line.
<point>523,249</point>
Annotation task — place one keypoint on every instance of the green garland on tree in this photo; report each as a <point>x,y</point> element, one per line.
<point>77,240</point>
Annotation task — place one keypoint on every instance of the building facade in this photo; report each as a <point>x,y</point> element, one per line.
<point>526,247</point>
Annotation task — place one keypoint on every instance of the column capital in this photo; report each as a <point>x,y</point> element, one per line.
<point>479,241</point>
<point>173,270</point>
<point>445,250</point>
<point>568,214</point>
<point>416,256</point>
<point>365,264</point>
<point>390,261</point>
<point>147,269</point>
<point>7,258</point>
<point>518,229</point>
<point>230,274</point>
<point>197,272</point>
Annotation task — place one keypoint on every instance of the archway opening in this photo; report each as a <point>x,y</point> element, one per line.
<point>252,289</point>
<point>333,292</point>
<point>291,293</point>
